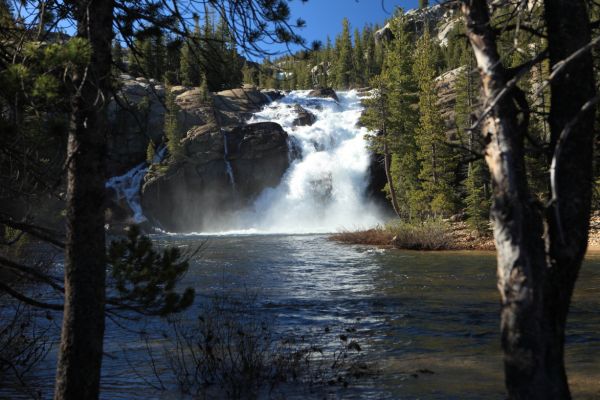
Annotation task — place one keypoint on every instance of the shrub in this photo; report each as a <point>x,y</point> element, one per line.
<point>231,352</point>
<point>378,236</point>
<point>431,234</point>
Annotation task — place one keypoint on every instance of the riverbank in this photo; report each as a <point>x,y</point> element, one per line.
<point>438,235</point>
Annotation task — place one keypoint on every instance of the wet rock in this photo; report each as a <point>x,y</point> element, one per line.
<point>197,193</point>
<point>324,93</point>
<point>304,118</point>
<point>273,94</point>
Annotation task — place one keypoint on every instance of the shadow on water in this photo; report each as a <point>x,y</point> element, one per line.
<point>428,321</point>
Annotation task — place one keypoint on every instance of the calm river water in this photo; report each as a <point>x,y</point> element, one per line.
<point>428,322</point>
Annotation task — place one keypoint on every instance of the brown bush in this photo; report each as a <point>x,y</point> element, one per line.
<point>378,236</point>
<point>431,234</point>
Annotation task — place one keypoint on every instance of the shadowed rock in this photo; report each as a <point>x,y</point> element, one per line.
<point>304,118</point>
<point>197,193</point>
<point>324,93</point>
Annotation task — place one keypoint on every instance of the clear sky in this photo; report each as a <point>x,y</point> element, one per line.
<point>324,17</point>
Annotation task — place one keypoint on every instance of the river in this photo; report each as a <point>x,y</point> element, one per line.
<point>427,322</point>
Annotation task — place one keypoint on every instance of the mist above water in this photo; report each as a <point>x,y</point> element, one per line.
<point>324,189</point>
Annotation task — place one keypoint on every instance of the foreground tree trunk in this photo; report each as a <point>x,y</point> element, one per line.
<point>80,357</point>
<point>539,250</point>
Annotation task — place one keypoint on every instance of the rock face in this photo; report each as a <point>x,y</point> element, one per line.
<point>136,117</point>
<point>324,93</point>
<point>304,118</point>
<point>226,163</point>
<point>440,19</point>
<point>205,190</point>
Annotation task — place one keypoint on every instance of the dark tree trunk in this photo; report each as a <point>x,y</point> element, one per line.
<point>80,357</point>
<point>387,161</point>
<point>537,269</point>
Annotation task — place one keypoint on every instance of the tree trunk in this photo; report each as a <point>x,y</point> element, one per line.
<point>390,179</point>
<point>80,357</point>
<point>537,272</point>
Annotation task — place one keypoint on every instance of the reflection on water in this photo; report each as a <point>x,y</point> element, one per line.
<point>428,320</point>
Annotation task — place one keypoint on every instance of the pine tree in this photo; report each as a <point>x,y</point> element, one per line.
<point>189,69</point>
<point>117,55</point>
<point>160,55</point>
<point>371,69</point>
<point>171,128</point>
<point>6,14</point>
<point>344,69</point>
<point>359,59</point>
<point>477,199</point>
<point>391,113</point>
<point>437,160</point>
<point>423,3</point>
<point>148,62</point>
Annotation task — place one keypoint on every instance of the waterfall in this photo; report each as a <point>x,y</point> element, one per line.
<point>128,185</point>
<point>324,189</point>
<point>228,168</point>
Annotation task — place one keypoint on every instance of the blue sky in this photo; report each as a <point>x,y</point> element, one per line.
<point>324,17</point>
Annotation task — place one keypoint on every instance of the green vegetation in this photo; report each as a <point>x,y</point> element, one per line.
<point>173,132</point>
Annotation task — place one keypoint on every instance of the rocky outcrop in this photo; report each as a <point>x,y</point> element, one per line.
<point>384,34</point>
<point>445,85</point>
<point>233,107</point>
<point>304,117</point>
<point>136,116</point>
<point>324,93</point>
<point>320,71</point>
<point>440,19</point>
<point>224,170</point>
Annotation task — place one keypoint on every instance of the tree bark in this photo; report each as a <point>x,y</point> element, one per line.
<point>539,253</point>
<point>80,357</point>
<point>387,158</point>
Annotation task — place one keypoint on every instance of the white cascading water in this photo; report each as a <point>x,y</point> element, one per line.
<point>128,186</point>
<point>324,188</point>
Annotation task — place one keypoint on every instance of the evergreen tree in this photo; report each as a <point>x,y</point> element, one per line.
<point>117,55</point>
<point>6,15</point>
<point>437,160</point>
<point>148,62</point>
<point>359,59</point>
<point>189,69</point>
<point>423,3</point>
<point>344,68</point>
<point>371,67</point>
<point>391,113</point>
<point>477,199</point>
<point>172,127</point>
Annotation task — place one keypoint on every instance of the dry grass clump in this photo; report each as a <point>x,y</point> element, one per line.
<point>378,236</point>
<point>431,234</point>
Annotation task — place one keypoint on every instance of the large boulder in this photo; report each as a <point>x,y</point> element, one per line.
<point>304,117</point>
<point>324,93</point>
<point>204,191</point>
<point>234,106</point>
